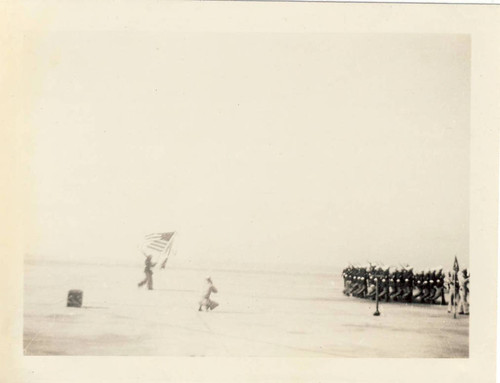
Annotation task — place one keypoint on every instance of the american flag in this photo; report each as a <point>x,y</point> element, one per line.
<point>455,265</point>
<point>158,242</point>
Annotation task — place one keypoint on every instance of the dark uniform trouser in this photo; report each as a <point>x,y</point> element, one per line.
<point>347,285</point>
<point>407,295</point>
<point>361,291</point>
<point>384,294</point>
<point>439,294</point>
<point>397,293</point>
<point>148,279</point>
<point>372,293</point>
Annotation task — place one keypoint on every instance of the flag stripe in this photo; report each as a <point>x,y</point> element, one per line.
<point>156,247</point>
<point>159,243</point>
<point>153,236</point>
<point>162,245</point>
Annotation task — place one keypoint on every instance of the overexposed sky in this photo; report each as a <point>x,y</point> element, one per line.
<point>265,148</point>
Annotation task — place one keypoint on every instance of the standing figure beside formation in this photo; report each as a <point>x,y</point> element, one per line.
<point>205,301</point>
<point>453,287</point>
<point>463,305</point>
<point>148,270</point>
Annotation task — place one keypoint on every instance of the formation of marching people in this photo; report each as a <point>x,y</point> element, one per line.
<point>404,285</point>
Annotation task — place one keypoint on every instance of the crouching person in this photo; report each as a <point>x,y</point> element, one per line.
<point>206,302</point>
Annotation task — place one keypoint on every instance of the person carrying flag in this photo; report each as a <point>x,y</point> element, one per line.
<point>148,270</point>
<point>158,245</point>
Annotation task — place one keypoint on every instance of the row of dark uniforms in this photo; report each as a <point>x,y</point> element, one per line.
<point>404,285</point>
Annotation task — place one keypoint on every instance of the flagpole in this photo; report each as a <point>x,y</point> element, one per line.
<point>166,259</point>
<point>455,276</point>
<point>168,248</point>
<point>376,313</point>
<point>455,295</point>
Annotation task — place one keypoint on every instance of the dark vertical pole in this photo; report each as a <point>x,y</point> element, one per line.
<point>376,313</point>
<point>454,295</point>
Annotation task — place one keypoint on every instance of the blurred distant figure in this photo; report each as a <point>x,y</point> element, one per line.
<point>205,299</point>
<point>148,270</point>
<point>463,305</point>
<point>452,286</point>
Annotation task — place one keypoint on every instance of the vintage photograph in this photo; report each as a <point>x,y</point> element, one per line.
<point>250,195</point>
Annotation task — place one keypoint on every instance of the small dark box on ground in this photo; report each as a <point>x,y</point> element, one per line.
<point>75,298</point>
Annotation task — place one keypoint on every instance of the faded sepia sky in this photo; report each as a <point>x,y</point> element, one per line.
<point>266,148</point>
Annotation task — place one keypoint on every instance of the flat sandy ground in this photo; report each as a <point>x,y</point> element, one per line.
<point>261,313</point>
